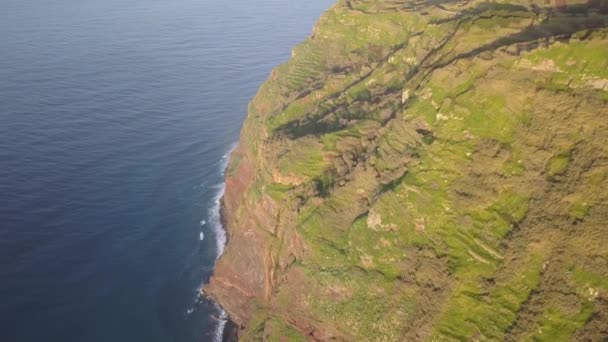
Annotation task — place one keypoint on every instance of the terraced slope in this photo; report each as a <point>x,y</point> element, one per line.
<point>426,170</point>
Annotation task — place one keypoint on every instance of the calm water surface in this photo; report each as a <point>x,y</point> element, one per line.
<point>115,117</point>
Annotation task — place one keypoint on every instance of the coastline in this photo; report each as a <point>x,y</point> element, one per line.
<point>230,329</point>
<point>227,329</point>
<point>230,332</point>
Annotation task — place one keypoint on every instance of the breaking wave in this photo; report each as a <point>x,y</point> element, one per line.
<point>215,220</point>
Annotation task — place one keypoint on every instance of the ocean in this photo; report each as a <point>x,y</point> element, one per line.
<point>116,119</point>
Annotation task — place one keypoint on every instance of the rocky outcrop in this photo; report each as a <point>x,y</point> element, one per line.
<point>424,170</point>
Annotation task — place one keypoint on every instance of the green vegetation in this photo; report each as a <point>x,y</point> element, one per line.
<point>303,160</point>
<point>578,210</point>
<point>279,331</point>
<point>558,164</point>
<point>277,191</point>
<point>589,279</point>
<point>555,325</point>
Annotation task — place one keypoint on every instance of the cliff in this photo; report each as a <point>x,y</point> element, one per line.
<point>426,170</point>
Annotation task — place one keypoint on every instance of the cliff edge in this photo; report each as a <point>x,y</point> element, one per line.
<point>426,170</point>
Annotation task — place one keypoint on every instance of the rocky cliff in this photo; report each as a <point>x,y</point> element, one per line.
<point>426,170</point>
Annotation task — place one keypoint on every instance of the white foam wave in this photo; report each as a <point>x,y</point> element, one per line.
<point>218,335</point>
<point>215,221</point>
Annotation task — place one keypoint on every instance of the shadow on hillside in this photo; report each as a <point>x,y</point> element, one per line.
<point>549,24</point>
<point>558,24</point>
<point>404,5</point>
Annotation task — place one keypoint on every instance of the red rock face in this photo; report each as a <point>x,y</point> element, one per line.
<point>561,4</point>
<point>242,276</point>
<point>237,182</point>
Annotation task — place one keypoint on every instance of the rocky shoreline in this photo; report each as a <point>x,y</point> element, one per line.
<point>231,329</point>
<point>231,332</point>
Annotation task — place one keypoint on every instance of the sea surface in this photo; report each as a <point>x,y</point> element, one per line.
<point>116,118</point>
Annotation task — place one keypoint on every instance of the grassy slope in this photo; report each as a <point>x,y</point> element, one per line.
<point>444,168</point>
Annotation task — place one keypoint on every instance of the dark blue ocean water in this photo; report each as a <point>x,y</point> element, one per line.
<point>115,117</point>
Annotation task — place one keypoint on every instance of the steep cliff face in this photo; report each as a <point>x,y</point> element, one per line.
<point>426,170</point>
